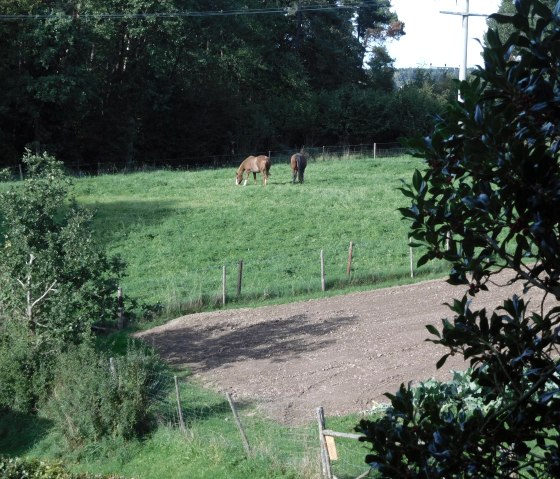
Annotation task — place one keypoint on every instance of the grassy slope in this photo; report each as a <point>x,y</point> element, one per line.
<point>176,230</point>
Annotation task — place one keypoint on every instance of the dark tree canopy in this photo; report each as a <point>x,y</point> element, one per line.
<point>119,82</point>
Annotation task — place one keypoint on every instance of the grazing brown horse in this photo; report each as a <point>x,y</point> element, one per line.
<point>298,162</point>
<point>253,164</point>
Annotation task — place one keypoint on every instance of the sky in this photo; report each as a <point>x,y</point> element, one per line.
<point>436,39</point>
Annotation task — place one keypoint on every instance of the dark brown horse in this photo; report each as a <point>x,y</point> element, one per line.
<point>298,162</point>
<point>253,164</point>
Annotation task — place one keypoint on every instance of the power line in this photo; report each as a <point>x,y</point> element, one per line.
<point>193,14</point>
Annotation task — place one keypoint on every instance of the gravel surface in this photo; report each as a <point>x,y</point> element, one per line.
<point>342,352</point>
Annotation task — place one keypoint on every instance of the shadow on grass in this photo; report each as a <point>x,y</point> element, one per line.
<point>119,218</point>
<point>20,432</point>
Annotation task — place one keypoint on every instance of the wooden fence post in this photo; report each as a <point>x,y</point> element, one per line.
<point>239,278</point>
<point>224,286</point>
<point>325,462</point>
<point>112,368</point>
<point>322,271</point>
<point>120,305</point>
<point>239,426</point>
<point>20,172</point>
<point>374,151</point>
<point>350,253</point>
<point>182,426</point>
<point>411,263</point>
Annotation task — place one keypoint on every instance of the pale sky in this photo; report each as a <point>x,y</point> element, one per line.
<point>436,38</point>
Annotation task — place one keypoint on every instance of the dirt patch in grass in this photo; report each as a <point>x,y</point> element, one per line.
<point>342,353</point>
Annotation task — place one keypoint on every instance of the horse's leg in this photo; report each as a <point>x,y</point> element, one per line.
<point>246,178</point>
<point>254,178</point>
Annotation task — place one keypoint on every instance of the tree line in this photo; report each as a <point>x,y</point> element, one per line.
<point>130,81</point>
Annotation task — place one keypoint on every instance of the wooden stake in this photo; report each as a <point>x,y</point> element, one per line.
<point>224,286</point>
<point>322,271</point>
<point>239,426</point>
<point>120,305</point>
<point>325,463</point>
<point>112,368</point>
<point>349,265</point>
<point>182,426</point>
<point>20,172</point>
<point>411,263</point>
<point>239,278</point>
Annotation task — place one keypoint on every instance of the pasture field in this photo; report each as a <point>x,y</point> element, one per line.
<point>178,229</point>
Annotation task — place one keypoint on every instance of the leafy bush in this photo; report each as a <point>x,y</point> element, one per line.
<point>54,281</point>
<point>489,200</point>
<point>16,468</point>
<point>53,277</point>
<point>95,397</point>
<point>17,367</point>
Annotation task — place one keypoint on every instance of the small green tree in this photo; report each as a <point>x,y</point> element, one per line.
<point>489,200</point>
<point>54,281</point>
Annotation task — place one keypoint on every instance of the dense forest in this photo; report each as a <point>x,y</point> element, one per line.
<point>133,81</point>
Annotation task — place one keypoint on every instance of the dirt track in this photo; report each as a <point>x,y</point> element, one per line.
<point>342,353</point>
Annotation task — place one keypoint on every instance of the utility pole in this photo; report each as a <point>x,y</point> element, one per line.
<point>465,14</point>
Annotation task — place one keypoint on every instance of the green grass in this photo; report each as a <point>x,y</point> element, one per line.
<point>212,447</point>
<point>177,230</point>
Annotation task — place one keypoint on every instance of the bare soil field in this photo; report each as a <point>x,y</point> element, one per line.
<point>342,352</point>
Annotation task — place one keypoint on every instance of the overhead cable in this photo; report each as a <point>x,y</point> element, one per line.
<point>182,14</point>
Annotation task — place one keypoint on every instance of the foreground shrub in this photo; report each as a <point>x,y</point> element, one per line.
<point>95,397</point>
<point>15,468</point>
<point>487,200</point>
<point>54,280</point>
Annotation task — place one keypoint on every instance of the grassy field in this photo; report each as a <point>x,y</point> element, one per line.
<point>177,230</point>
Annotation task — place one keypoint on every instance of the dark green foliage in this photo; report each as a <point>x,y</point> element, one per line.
<point>15,468</point>
<point>507,7</point>
<point>489,199</point>
<point>54,278</point>
<point>95,397</point>
<point>54,281</point>
<point>134,88</point>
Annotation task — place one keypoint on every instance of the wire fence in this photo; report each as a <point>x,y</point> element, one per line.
<point>218,420</point>
<point>322,153</point>
<point>254,278</point>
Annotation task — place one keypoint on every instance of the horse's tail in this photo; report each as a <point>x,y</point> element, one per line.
<point>301,164</point>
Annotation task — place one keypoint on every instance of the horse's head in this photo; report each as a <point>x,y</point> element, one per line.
<point>238,177</point>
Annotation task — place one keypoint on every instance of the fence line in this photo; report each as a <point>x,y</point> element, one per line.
<point>311,270</point>
<point>322,153</point>
<point>220,420</point>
